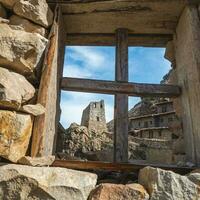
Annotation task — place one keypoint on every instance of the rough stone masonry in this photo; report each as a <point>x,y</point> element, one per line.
<point>23,39</point>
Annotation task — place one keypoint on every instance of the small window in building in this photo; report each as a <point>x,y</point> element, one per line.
<point>101,105</point>
<point>170,119</point>
<point>150,122</point>
<point>161,120</point>
<point>140,135</point>
<point>139,124</point>
<point>164,109</point>
<point>160,133</point>
<point>146,124</point>
<point>98,119</point>
<point>151,134</point>
<point>95,105</point>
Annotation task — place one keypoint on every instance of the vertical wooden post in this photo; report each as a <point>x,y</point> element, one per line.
<point>121,100</point>
<point>45,126</point>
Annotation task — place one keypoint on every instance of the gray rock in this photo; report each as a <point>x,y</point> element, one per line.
<point>14,89</point>
<point>3,12</point>
<point>19,50</point>
<point>14,186</point>
<point>37,11</point>
<point>59,183</point>
<point>27,25</point>
<point>194,177</point>
<point>166,185</point>
<point>15,133</point>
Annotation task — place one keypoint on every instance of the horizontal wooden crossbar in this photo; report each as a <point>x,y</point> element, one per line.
<point>112,87</point>
<point>91,39</point>
<point>93,165</point>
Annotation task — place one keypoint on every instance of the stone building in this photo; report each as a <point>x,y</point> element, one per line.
<point>93,117</point>
<point>155,133</point>
<point>154,124</point>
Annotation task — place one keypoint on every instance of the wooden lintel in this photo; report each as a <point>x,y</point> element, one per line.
<point>94,165</point>
<point>145,40</point>
<point>112,87</point>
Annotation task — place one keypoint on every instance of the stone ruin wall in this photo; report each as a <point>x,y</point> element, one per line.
<point>24,29</point>
<point>93,117</point>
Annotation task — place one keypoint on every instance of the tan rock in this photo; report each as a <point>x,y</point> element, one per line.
<point>19,50</point>
<point>14,89</point>
<point>27,25</point>
<point>166,185</point>
<point>3,13</point>
<point>35,10</point>
<point>8,3</point>
<point>116,191</point>
<point>35,110</point>
<point>15,129</point>
<point>37,161</point>
<point>60,183</point>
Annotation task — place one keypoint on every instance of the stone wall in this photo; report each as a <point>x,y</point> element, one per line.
<point>24,27</point>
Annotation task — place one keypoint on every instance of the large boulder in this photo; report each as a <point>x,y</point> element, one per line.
<point>59,183</point>
<point>8,3</point>
<point>19,50</point>
<point>3,13</point>
<point>166,185</point>
<point>15,133</point>
<point>109,191</point>
<point>16,186</point>
<point>14,89</point>
<point>27,25</point>
<point>37,11</point>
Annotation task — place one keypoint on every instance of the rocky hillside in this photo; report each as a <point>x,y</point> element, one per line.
<point>79,143</point>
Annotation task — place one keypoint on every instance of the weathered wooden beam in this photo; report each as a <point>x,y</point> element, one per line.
<point>45,126</point>
<point>121,100</point>
<point>92,165</point>
<point>112,87</point>
<point>146,40</point>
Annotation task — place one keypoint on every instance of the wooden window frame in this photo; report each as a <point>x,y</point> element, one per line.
<point>122,89</point>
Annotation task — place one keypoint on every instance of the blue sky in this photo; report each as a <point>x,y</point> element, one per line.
<point>146,65</point>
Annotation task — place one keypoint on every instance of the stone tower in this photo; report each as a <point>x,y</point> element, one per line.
<point>93,116</point>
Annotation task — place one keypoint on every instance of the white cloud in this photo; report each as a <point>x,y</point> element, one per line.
<point>75,71</point>
<point>90,57</point>
<point>90,62</point>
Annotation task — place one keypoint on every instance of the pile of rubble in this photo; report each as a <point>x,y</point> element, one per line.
<point>80,143</point>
